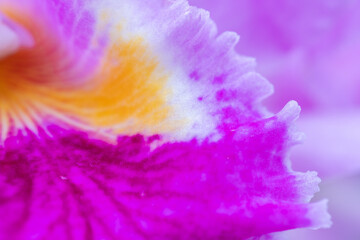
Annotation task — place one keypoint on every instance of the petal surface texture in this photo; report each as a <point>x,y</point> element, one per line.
<point>137,120</point>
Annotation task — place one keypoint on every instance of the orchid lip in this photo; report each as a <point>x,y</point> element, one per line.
<point>156,133</point>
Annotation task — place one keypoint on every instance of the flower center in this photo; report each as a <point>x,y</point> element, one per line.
<point>51,75</point>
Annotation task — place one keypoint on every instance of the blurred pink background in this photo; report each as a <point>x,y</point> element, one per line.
<point>310,51</point>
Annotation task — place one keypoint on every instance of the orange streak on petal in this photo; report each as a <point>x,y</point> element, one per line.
<point>130,89</point>
<point>128,94</point>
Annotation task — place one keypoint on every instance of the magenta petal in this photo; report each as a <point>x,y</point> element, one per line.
<point>72,187</point>
<point>231,180</point>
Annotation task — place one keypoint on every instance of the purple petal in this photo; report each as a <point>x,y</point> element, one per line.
<point>72,187</point>
<point>231,180</point>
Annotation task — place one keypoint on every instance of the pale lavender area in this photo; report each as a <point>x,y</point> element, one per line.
<point>302,47</point>
<point>75,20</point>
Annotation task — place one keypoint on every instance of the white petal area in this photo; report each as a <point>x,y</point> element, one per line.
<point>12,37</point>
<point>9,40</point>
<point>331,146</point>
<point>207,78</point>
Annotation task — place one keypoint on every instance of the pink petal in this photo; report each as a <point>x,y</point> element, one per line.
<point>224,176</point>
<point>72,187</point>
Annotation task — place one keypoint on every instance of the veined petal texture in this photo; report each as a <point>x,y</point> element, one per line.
<point>137,120</point>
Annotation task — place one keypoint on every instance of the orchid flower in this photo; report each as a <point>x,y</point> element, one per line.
<point>137,120</point>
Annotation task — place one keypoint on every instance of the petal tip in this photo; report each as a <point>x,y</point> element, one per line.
<point>290,112</point>
<point>320,215</point>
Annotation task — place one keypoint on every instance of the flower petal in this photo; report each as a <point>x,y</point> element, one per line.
<point>217,161</point>
<point>70,186</point>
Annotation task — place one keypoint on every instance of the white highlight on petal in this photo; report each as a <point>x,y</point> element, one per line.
<point>290,112</point>
<point>9,40</point>
<point>12,37</point>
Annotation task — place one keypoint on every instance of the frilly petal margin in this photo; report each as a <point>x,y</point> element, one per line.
<point>226,176</point>
<point>213,86</point>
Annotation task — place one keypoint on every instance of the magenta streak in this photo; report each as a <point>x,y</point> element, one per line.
<point>234,188</point>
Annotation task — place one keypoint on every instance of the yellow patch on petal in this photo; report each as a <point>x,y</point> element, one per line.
<point>128,95</point>
<point>41,84</point>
